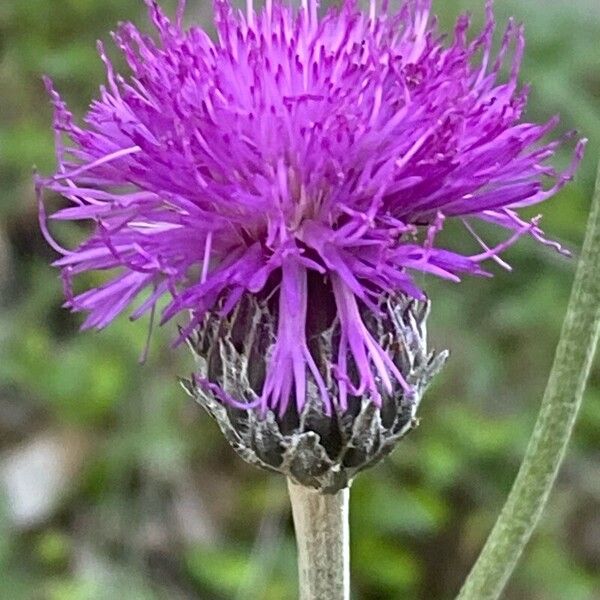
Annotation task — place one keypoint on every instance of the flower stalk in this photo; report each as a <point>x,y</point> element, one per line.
<point>553,428</point>
<point>323,541</point>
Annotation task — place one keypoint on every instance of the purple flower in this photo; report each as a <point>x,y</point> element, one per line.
<point>297,147</point>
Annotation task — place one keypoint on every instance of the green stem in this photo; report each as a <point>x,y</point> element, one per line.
<point>553,428</point>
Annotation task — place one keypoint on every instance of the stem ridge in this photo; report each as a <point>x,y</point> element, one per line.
<point>323,541</point>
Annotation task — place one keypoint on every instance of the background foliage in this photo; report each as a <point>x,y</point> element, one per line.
<point>113,485</point>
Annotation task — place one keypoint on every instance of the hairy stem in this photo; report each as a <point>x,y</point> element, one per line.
<point>323,541</point>
<point>553,428</point>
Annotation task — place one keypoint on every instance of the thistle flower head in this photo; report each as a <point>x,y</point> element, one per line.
<point>305,160</point>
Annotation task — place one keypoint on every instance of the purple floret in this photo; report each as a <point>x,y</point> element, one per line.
<point>297,142</point>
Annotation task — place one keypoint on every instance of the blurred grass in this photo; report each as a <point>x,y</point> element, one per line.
<point>161,508</point>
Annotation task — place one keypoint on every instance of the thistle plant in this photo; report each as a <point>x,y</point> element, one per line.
<point>277,188</point>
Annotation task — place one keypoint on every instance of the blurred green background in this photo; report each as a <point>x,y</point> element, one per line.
<point>114,485</point>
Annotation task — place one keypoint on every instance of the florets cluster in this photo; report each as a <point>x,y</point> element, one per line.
<point>297,146</point>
